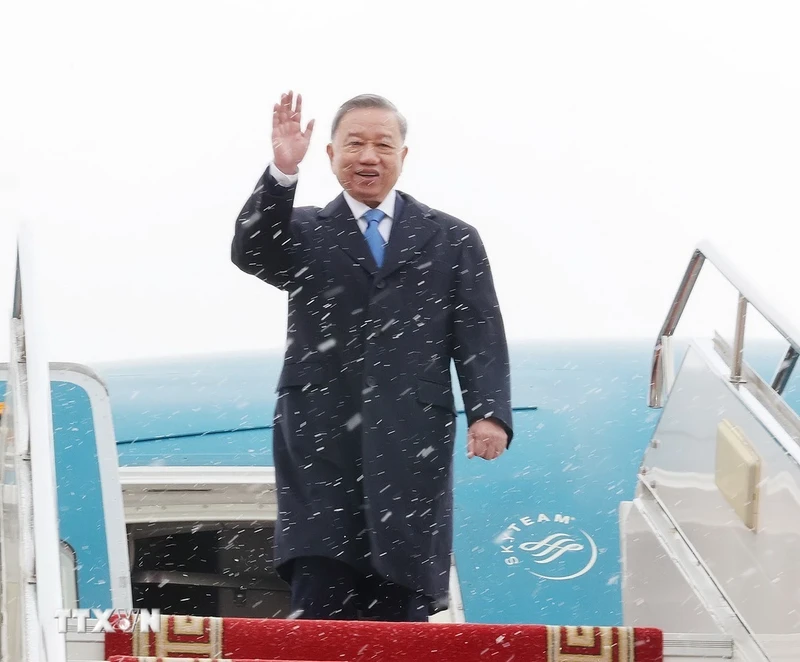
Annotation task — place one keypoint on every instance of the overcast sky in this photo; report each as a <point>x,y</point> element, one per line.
<point>591,143</point>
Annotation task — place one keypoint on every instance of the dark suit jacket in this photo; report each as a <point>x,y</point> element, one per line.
<point>365,418</point>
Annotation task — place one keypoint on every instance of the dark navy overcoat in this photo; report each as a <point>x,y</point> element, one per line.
<point>365,419</point>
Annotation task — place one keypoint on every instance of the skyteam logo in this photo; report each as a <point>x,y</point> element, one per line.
<point>548,547</point>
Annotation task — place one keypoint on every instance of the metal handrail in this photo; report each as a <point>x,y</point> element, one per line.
<point>748,294</point>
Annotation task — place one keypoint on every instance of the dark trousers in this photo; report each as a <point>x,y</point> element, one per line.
<point>324,589</point>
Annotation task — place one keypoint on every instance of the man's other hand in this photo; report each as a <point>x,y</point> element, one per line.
<point>289,142</point>
<point>486,438</point>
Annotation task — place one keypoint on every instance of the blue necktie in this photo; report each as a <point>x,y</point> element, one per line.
<point>373,236</point>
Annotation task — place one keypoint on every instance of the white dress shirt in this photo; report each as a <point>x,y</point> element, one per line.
<point>358,208</point>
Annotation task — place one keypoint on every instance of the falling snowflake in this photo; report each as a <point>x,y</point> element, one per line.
<point>354,422</point>
<point>325,345</point>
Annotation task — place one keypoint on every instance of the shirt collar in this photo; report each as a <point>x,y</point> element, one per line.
<point>359,208</point>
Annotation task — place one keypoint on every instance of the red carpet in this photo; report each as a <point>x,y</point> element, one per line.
<point>186,637</point>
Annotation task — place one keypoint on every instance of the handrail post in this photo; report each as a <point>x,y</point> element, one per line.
<point>667,364</point>
<point>738,341</point>
<point>656,397</point>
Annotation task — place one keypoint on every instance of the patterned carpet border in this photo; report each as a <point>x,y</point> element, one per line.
<point>187,638</point>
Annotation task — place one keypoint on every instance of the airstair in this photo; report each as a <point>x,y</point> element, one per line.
<point>707,543</point>
<point>710,539</point>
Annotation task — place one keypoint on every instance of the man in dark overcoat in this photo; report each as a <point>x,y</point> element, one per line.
<point>383,292</point>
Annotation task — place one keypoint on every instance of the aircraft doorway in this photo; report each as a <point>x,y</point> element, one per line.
<point>209,569</point>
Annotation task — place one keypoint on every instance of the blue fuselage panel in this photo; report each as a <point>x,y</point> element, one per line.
<point>537,536</point>
<point>80,498</point>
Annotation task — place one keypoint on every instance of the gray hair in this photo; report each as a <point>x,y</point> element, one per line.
<point>369,101</point>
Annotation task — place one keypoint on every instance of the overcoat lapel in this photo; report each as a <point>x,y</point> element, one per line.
<point>413,228</point>
<point>345,233</point>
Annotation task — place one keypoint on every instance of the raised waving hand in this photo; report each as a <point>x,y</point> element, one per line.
<point>289,141</point>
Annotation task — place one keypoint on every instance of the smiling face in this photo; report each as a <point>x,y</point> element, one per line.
<point>367,153</point>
